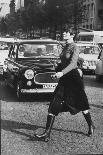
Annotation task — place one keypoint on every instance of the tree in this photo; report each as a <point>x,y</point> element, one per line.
<point>33,16</point>
<point>65,12</point>
<point>12,23</point>
<point>78,14</point>
<point>47,14</point>
<point>3,26</point>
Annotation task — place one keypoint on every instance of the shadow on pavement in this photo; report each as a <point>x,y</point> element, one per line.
<point>97,106</point>
<point>13,126</point>
<point>8,94</point>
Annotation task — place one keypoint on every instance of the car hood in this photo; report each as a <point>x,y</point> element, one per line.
<point>89,57</point>
<point>40,63</point>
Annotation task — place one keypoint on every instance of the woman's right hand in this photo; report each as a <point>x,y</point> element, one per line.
<point>57,75</point>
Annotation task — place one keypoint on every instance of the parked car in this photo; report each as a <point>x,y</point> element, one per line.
<point>30,66</point>
<point>99,67</point>
<point>89,54</point>
<point>3,54</point>
<point>5,44</point>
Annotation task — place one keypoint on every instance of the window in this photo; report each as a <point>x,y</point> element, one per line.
<point>13,53</point>
<point>87,26</point>
<point>86,38</point>
<point>89,50</point>
<point>92,10</point>
<point>32,50</point>
<point>91,26</point>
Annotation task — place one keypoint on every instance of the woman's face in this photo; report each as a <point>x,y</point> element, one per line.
<point>70,39</point>
<point>67,37</point>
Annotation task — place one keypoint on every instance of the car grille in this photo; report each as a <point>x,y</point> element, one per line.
<point>92,63</point>
<point>43,78</point>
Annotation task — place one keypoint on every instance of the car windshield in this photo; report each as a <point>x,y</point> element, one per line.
<point>89,50</point>
<point>39,50</point>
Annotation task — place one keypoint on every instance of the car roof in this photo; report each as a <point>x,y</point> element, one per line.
<point>37,41</point>
<point>15,40</point>
<point>86,44</point>
<point>8,40</point>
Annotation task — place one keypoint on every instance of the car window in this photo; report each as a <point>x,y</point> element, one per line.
<point>32,50</point>
<point>12,51</point>
<point>89,49</point>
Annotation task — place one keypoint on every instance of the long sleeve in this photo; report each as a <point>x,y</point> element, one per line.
<point>73,63</point>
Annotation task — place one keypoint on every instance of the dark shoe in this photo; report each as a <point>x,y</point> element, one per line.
<point>91,130</point>
<point>90,124</point>
<point>43,137</point>
<point>46,135</point>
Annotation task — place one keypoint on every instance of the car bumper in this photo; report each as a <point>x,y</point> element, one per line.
<point>91,68</point>
<point>29,91</point>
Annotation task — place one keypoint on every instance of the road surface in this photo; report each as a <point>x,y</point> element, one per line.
<point>20,120</point>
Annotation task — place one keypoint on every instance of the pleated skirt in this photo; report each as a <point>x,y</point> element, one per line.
<point>69,95</point>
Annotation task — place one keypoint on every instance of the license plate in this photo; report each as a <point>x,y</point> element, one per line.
<point>49,85</point>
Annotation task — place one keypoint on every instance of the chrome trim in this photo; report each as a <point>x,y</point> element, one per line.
<point>37,90</point>
<point>44,83</point>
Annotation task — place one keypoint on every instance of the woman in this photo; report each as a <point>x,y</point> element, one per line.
<point>69,95</point>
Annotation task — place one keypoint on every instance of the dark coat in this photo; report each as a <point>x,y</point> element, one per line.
<point>69,94</point>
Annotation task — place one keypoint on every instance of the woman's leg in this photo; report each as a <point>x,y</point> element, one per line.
<point>46,135</point>
<point>53,110</point>
<point>88,119</point>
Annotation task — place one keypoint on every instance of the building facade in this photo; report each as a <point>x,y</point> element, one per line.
<point>94,12</point>
<point>28,2</point>
<point>19,4</point>
<point>4,8</point>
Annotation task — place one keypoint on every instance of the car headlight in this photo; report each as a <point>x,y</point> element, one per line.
<point>29,74</point>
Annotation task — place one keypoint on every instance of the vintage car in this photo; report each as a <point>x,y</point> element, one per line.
<point>30,66</point>
<point>89,54</point>
<point>4,50</point>
<point>3,55</point>
<point>99,67</point>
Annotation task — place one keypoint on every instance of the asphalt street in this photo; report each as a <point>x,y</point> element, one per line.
<point>21,120</point>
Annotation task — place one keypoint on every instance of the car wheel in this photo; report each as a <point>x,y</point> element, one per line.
<point>18,91</point>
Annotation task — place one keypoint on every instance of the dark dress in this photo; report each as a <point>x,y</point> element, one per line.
<point>69,95</point>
